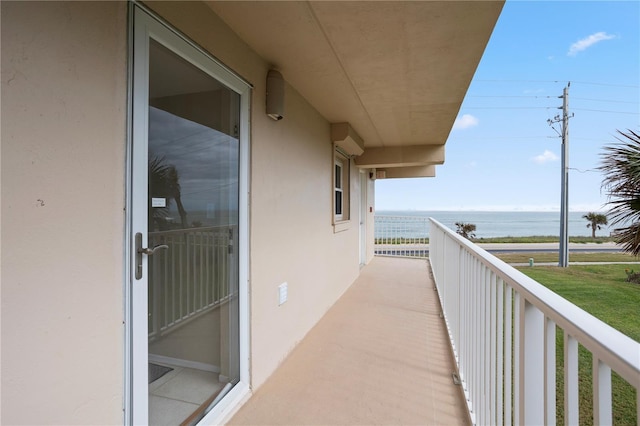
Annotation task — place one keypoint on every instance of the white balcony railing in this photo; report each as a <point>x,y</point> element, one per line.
<point>191,277</point>
<point>404,236</point>
<point>502,326</point>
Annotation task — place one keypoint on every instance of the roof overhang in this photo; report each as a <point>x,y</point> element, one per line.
<point>396,71</point>
<point>401,156</point>
<point>406,172</point>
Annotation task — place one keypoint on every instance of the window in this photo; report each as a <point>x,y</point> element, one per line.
<point>339,193</point>
<point>340,187</point>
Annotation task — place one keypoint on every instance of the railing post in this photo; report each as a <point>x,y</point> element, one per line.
<point>493,349</point>
<point>532,339</point>
<point>508,356</point>
<point>571,407</point>
<point>461,313</point>
<point>550,371</point>
<point>602,414</point>
<point>499,351</point>
<point>444,277</point>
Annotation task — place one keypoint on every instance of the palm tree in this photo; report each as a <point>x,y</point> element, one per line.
<point>621,165</point>
<point>164,181</point>
<point>595,220</point>
<point>467,230</point>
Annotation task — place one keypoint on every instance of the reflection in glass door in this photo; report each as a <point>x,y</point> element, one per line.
<point>192,205</point>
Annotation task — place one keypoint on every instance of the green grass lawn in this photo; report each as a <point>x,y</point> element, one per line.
<point>602,291</point>
<point>542,239</point>
<point>545,257</point>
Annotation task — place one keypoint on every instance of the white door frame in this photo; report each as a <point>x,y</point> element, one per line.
<point>364,191</point>
<point>144,26</point>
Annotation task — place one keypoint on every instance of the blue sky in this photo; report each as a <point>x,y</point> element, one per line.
<point>502,154</point>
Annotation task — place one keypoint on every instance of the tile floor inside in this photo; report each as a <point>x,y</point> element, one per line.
<point>177,394</point>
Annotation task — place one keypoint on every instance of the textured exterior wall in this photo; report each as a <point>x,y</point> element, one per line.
<point>64,98</point>
<point>63,171</point>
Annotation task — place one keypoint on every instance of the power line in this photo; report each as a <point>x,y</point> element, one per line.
<point>512,96</point>
<point>551,107</point>
<point>584,171</point>
<point>612,112</point>
<point>547,97</point>
<point>517,81</point>
<point>592,83</point>
<point>606,84</point>
<point>535,105</point>
<point>503,137</point>
<point>591,139</point>
<point>509,107</point>
<point>606,100</point>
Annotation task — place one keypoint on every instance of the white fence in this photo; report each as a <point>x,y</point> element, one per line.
<point>401,236</point>
<point>191,277</point>
<point>503,325</point>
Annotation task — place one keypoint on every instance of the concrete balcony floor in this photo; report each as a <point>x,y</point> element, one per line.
<point>379,356</point>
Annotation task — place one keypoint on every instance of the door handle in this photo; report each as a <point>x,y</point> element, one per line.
<point>144,250</point>
<point>150,251</point>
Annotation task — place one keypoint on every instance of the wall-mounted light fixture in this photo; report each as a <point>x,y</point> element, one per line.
<point>275,95</point>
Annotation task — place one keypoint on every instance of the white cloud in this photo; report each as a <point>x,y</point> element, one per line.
<point>466,121</point>
<point>588,41</point>
<point>545,157</point>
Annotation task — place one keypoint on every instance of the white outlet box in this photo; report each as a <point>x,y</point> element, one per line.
<point>282,293</point>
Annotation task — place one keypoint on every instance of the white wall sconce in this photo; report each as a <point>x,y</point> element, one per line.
<point>275,95</point>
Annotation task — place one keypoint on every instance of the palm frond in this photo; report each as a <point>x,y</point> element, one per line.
<point>621,166</point>
<point>629,238</point>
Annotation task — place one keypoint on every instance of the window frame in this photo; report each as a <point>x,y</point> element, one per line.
<point>341,188</point>
<point>338,189</point>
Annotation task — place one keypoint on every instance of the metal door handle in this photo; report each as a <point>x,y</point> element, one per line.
<point>150,251</point>
<point>143,250</point>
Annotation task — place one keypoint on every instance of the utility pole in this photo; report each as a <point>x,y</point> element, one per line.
<point>563,252</point>
<point>563,260</point>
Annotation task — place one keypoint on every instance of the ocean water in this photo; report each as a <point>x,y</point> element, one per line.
<point>503,224</point>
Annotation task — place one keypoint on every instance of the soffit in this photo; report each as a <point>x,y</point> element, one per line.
<point>396,71</point>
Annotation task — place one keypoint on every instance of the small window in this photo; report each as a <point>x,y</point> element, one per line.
<point>339,193</point>
<point>341,187</point>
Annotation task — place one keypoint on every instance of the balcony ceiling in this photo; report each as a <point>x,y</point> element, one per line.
<point>396,71</point>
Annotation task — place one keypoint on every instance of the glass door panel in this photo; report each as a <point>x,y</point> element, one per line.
<point>193,174</point>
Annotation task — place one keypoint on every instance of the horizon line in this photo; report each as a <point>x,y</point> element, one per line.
<point>498,210</point>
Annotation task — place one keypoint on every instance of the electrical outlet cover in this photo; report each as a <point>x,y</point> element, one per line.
<point>282,293</point>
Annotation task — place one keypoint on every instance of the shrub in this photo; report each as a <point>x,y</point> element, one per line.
<point>632,277</point>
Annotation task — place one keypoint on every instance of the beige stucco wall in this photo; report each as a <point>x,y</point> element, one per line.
<point>63,155</point>
<point>292,237</point>
<point>63,148</point>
